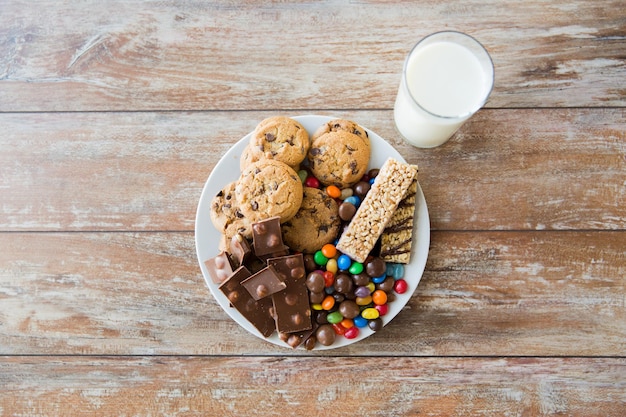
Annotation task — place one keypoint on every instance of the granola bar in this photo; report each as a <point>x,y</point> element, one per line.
<point>397,238</point>
<point>376,209</point>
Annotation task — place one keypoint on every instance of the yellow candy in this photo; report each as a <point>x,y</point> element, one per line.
<point>331,265</point>
<point>363,301</point>
<point>370,313</point>
<point>317,307</point>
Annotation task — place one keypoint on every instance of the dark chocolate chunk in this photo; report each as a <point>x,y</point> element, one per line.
<point>240,249</point>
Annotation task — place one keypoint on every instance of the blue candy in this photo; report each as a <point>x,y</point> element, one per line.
<point>344,262</point>
<point>354,200</point>
<point>398,271</point>
<point>359,321</point>
<point>378,280</point>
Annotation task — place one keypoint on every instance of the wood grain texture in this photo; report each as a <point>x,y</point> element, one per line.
<point>145,171</point>
<point>498,293</point>
<point>113,114</point>
<point>389,387</point>
<point>319,55</point>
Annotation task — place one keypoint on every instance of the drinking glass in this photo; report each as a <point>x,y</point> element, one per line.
<point>446,78</point>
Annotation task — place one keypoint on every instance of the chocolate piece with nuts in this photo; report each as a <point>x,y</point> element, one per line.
<point>267,238</point>
<point>264,283</point>
<point>257,312</point>
<point>219,267</point>
<point>291,305</point>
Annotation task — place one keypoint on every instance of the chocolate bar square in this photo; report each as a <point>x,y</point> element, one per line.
<point>219,267</point>
<point>267,238</point>
<point>264,283</point>
<point>257,312</point>
<point>291,305</point>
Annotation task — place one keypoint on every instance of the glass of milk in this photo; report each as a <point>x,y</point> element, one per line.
<point>447,77</point>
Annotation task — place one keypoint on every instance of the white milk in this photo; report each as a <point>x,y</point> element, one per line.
<point>448,81</point>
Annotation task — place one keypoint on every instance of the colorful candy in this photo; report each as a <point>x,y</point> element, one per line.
<point>346,296</point>
<point>333,191</point>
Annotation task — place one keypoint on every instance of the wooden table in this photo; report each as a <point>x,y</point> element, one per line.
<point>113,114</point>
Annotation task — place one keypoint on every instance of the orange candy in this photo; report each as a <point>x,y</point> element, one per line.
<point>333,191</point>
<point>328,302</point>
<point>347,323</point>
<point>379,297</point>
<point>329,250</point>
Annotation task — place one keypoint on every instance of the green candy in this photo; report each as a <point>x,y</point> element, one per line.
<point>334,317</point>
<point>356,268</point>
<point>319,258</point>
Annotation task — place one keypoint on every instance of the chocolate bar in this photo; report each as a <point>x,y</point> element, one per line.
<point>267,238</point>
<point>264,283</point>
<point>291,305</point>
<point>219,267</point>
<point>257,312</point>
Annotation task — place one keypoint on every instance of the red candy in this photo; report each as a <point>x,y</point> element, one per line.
<point>339,329</point>
<point>351,333</point>
<point>312,182</point>
<point>329,279</point>
<point>382,309</point>
<point>400,286</point>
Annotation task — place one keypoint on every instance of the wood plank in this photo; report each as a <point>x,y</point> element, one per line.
<point>277,386</point>
<point>225,55</point>
<point>490,293</point>
<point>562,169</point>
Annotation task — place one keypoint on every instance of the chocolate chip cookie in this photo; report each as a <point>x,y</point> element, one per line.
<point>226,215</point>
<point>280,138</point>
<point>268,188</point>
<point>339,125</point>
<point>339,158</point>
<point>316,223</point>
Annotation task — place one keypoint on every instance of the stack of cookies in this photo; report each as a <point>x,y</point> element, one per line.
<point>338,153</point>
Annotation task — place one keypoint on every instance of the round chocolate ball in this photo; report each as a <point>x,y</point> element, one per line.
<point>346,211</point>
<point>386,285</point>
<point>349,309</point>
<point>343,283</point>
<point>325,334</point>
<point>361,188</point>
<point>360,279</point>
<point>315,281</point>
<point>375,324</point>
<point>375,267</point>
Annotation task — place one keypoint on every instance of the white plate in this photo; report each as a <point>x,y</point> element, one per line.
<point>227,170</point>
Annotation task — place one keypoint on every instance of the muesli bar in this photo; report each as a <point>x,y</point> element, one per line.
<point>397,238</point>
<point>376,209</point>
